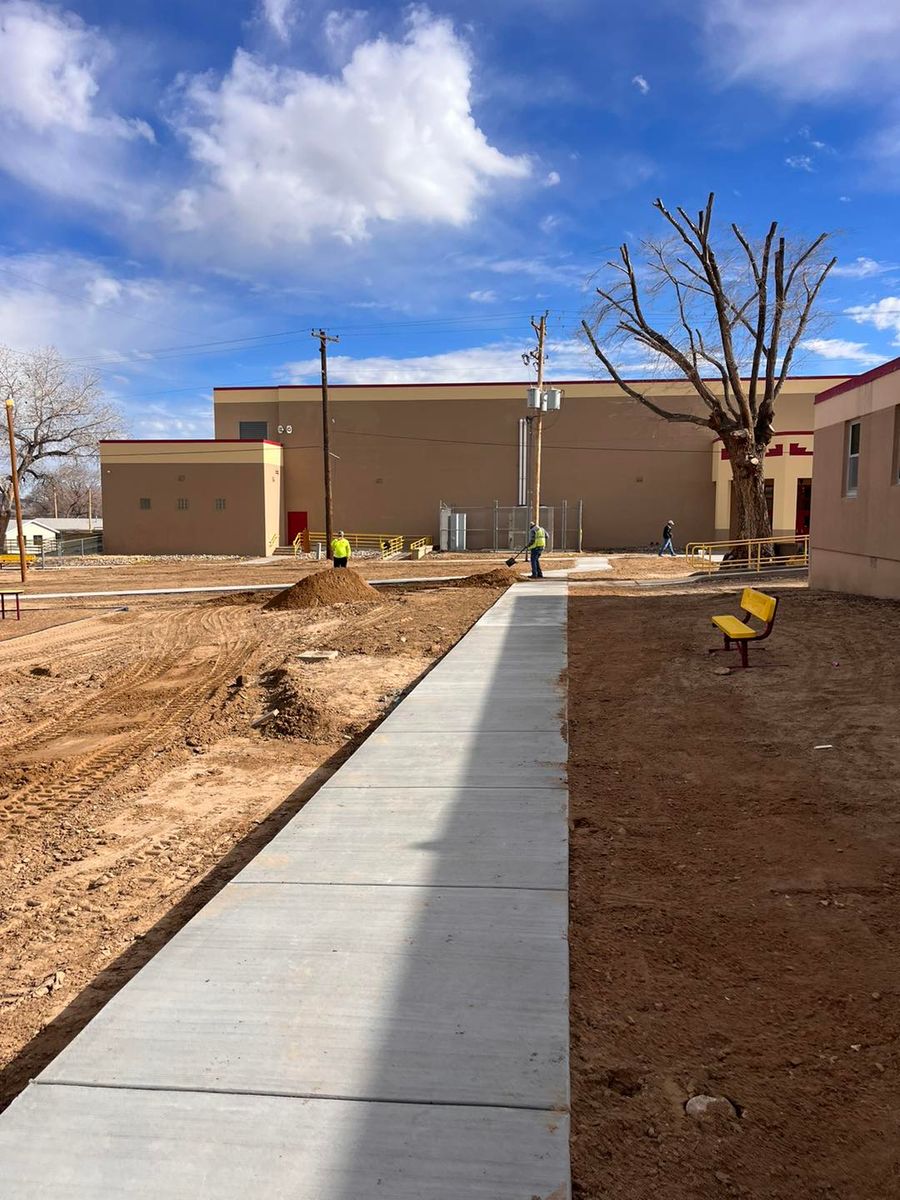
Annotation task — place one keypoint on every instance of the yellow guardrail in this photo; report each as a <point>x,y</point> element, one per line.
<point>420,543</point>
<point>751,554</point>
<point>386,544</point>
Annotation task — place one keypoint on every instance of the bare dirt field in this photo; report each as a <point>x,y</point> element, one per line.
<point>735,900</point>
<point>101,574</point>
<point>133,784</point>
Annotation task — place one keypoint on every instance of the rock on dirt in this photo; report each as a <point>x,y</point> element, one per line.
<point>499,577</point>
<point>703,1105</point>
<point>322,590</point>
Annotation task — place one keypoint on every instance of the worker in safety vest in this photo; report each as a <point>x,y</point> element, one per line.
<point>340,550</point>
<point>537,540</point>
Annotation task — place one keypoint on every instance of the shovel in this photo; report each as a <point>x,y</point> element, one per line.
<point>511,562</point>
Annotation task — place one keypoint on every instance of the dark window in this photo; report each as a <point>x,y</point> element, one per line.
<point>851,478</point>
<point>144,502</point>
<point>220,506</point>
<point>181,503</point>
<point>253,431</point>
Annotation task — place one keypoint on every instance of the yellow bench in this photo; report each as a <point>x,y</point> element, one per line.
<point>13,559</point>
<point>754,604</point>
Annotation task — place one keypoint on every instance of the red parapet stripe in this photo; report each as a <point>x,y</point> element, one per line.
<point>850,385</point>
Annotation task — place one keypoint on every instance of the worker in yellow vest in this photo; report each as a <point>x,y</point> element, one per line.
<point>537,540</point>
<point>340,550</point>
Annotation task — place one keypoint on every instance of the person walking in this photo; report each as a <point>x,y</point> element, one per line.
<point>667,546</point>
<point>537,540</point>
<point>340,550</point>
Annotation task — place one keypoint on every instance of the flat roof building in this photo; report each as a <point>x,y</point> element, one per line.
<point>400,451</point>
<point>855,543</point>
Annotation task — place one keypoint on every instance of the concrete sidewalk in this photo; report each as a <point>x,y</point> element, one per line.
<point>377,1006</point>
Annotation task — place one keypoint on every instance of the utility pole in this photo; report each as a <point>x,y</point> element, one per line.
<point>536,357</point>
<point>90,510</point>
<point>55,505</point>
<point>324,339</point>
<point>23,561</point>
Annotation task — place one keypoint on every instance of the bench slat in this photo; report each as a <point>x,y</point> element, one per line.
<point>734,628</point>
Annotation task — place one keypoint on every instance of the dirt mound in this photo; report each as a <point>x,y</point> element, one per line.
<point>499,577</point>
<point>322,590</point>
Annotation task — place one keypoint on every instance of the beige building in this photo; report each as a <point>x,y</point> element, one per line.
<point>855,541</point>
<point>401,450</point>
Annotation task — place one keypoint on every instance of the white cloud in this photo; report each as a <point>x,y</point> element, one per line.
<point>496,362</point>
<point>837,349</point>
<point>844,199</point>
<point>884,314</point>
<point>552,179</point>
<point>863,268</point>
<point>641,84</point>
<point>280,15</point>
<point>485,297</point>
<point>806,48</point>
<point>391,139</point>
<point>549,223</point>
<point>799,162</point>
<point>56,133</point>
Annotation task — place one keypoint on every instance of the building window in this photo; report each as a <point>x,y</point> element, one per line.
<point>220,506</point>
<point>181,503</point>
<point>852,475</point>
<point>144,502</point>
<point>253,431</point>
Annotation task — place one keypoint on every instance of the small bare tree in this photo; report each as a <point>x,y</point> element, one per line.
<point>70,490</point>
<point>60,416</point>
<point>737,312</point>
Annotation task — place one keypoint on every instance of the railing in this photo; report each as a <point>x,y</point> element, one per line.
<point>385,544</point>
<point>752,554</point>
<point>420,543</point>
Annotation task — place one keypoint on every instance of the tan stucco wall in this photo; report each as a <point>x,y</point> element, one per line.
<point>855,540</point>
<point>403,450</point>
<point>247,477</point>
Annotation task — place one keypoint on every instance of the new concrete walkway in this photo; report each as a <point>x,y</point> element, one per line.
<point>377,1006</point>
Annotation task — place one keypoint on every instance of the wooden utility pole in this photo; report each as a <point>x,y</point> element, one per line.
<point>90,510</point>
<point>324,339</point>
<point>537,421</point>
<point>23,561</point>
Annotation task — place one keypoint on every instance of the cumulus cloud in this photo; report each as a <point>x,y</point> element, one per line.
<point>799,162</point>
<point>641,84</point>
<point>56,133</point>
<point>863,268</point>
<point>884,314</point>
<point>805,48</point>
<point>497,362</point>
<point>838,349</point>
<point>483,297</point>
<point>552,179</point>
<point>282,154</point>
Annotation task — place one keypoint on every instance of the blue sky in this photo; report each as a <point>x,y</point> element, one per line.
<point>188,186</point>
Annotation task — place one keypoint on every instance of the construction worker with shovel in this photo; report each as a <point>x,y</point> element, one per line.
<point>537,540</point>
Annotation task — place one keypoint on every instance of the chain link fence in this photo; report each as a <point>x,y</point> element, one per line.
<point>505,527</point>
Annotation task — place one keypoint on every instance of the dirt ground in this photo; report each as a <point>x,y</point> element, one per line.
<point>101,574</point>
<point>133,784</point>
<point>735,913</point>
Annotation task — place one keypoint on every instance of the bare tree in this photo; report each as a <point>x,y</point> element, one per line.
<point>70,490</point>
<point>736,312</point>
<point>60,416</point>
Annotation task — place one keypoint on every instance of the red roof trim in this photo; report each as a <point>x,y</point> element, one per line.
<point>182,441</point>
<point>850,385</point>
<point>303,387</point>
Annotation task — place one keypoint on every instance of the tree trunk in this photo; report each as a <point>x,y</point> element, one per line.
<point>5,518</point>
<point>749,494</point>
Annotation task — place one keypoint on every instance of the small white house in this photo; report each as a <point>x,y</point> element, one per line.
<point>44,532</point>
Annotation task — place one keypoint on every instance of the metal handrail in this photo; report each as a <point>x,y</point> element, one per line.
<point>713,556</point>
<point>387,544</point>
<point>420,543</point>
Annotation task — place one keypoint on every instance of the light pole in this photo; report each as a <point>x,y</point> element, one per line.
<point>23,561</point>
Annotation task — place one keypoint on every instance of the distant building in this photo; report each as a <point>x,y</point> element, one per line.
<point>46,531</point>
<point>855,542</point>
<point>402,450</point>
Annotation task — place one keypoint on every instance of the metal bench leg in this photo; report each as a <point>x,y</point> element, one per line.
<point>742,646</point>
<point>18,608</point>
<point>2,606</point>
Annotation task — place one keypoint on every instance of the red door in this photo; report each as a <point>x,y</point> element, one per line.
<point>297,522</point>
